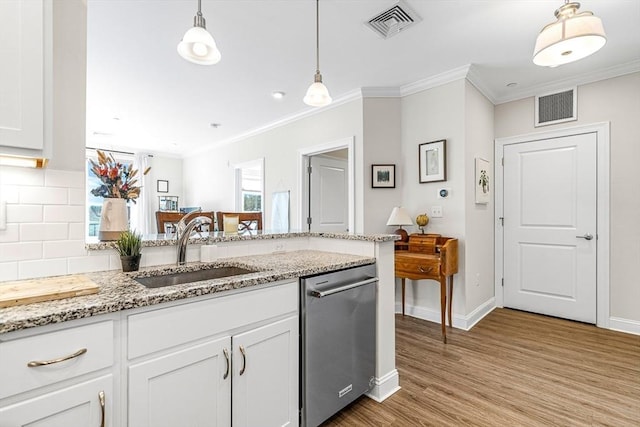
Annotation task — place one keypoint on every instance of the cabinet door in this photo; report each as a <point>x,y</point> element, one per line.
<point>265,375</point>
<point>190,387</point>
<point>22,43</point>
<point>75,406</point>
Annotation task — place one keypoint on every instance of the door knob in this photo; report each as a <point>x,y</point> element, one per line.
<point>587,236</point>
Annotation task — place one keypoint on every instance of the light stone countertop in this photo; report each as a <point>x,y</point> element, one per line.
<point>155,240</point>
<point>118,291</point>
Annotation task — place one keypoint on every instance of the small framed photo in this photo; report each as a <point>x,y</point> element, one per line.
<point>432,158</point>
<point>163,186</point>
<point>482,181</point>
<point>168,203</point>
<point>383,176</point>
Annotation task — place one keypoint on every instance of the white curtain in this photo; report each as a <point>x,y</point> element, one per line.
<point>142,213</point>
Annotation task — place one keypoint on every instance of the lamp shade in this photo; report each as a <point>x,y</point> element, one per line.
<point>399,216</point>
<point>199,47</point>
<point>572,37</point>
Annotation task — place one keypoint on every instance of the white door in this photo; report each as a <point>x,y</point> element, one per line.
<point>550,226</point>
<point>265,376</point>
<point>328,204</point>
<point>190,387</point>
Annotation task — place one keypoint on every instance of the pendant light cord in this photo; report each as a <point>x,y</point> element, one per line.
<point>317,36</point>
<point>199,8</point>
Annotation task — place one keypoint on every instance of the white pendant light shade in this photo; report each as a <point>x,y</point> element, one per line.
<point>197,45</point>
<point>572,37</point>
<point>317,94</point>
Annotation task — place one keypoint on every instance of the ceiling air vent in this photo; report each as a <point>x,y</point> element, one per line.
<point>393,20</point>
<point>558,107</point>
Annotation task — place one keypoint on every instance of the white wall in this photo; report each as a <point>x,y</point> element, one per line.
<point>430,115</point>
<point>211,176</point>
<point>382,145</point>
<point>615,100</point>
<point>479,227</point>
<point>167,169</point>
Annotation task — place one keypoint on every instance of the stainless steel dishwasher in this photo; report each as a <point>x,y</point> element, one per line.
<point>338,341</point>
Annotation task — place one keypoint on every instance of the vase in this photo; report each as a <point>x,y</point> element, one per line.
<point>130,263</point>
<point>113,219</point>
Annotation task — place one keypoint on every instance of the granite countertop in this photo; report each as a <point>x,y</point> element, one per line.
<point>118,291</point>
<point>155,240</point>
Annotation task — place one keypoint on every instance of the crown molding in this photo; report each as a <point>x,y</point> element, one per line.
<point>434,81</point>
<point>475,80</point>
<point>578,80</point>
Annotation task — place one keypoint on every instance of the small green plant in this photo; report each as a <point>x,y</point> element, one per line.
<point>129,243</point>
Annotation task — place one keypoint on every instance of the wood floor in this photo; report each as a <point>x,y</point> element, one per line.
<point>512,369</point>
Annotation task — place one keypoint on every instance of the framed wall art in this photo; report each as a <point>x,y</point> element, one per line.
<point>383,176</point>
<point>482,181</point>
<point>163,186</point>
<point>432,158</point>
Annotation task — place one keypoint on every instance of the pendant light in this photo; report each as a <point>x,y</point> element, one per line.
<point>575,35</point>
<point>197,45</point>
<point>317,94</point>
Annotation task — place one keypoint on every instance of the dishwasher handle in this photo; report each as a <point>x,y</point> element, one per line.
<point>322,294</point>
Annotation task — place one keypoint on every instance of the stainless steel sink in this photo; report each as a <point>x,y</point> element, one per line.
<point>191,276</point>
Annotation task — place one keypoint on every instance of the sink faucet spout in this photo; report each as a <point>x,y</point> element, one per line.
<point>184,234</point>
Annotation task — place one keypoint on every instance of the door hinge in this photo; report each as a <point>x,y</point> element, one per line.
<point>502,280</point>
<point>502,161</point>
<point>501,218</point>
<point>309,220</point>
<point>309,168</point>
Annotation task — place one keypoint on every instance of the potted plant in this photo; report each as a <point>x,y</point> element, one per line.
<point>129,246</point>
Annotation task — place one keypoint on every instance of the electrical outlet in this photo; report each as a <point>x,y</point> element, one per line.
<point>436,211</point>
<point>279,247</point>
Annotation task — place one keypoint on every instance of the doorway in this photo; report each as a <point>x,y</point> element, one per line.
<point>552,210</point>
<point>326,196</point>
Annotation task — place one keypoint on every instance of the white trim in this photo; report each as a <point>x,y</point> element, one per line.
<point>624,325</point>
<point>303,156</point>
<point>602,276</point>
<point>385,386</point>
<point>459,322</point>
<point>435,81</point>
<point>237,177</point>
<point>476,80</point>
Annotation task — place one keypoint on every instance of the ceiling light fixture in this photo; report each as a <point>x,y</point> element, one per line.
<point>317,94</point>
<point>278,94</point>
<point>197,45</point>
<point>572,37</point>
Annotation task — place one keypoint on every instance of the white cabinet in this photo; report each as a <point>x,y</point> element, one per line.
<point>25,75</point>
<point>265,375</point>
<point>58,376</point>
<point>208,362</point>
<point>191,386</point>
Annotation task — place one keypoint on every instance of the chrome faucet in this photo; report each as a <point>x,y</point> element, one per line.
<point>183,232</point>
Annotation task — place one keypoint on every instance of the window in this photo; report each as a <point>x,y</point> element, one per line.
<point>249,186</point>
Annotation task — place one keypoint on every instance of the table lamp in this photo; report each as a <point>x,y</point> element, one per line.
<point>400,217</point>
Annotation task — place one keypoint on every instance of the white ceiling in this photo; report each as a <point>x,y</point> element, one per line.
<point>142,96</point>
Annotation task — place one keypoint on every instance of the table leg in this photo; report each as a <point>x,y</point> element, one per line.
<point>402,295</point>
<point>443,306</point>
<point>449,299</point>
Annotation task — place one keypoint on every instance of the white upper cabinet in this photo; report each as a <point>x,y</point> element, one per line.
<point>25,74</point>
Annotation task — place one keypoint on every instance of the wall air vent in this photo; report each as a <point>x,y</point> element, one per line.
<point>558,107</point>
<point>393,20</point>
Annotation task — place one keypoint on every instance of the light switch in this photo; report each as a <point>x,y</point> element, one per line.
<point>436,211</point>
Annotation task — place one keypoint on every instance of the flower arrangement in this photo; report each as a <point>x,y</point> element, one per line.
<point>118,180</point>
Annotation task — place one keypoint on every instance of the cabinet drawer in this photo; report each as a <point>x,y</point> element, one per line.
<point>418,268</point>
<point>159,329</point>
<point>15,355</point>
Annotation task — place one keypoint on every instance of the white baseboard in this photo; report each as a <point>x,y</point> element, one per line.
<point>624,325</point>
<point>385,386</point>
<point>460,322</point>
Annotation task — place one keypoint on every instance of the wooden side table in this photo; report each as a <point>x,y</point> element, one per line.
<point>434,257</point>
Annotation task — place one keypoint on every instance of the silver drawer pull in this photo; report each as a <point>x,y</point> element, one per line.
<point>422,270</point>
<point>101,399</point>
<point>322,294</point>
<point>226,357</point>
<point>244,360</point>
<point>35,363</point>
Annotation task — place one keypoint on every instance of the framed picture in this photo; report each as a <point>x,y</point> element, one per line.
<point>432,158</point>
<point>168,203</point>
<point>163,186</point>
<point>482,181</point>
<point>383,176</point>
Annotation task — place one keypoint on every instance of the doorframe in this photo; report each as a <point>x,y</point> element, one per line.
<point>602,209</point>
<point>303,193</point>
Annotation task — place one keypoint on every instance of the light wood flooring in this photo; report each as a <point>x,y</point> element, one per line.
<point>512,369</point>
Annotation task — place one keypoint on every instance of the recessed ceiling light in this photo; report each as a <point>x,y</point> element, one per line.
<point>215,125</point>
<point>278,94</point>
<point>512,84</point>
